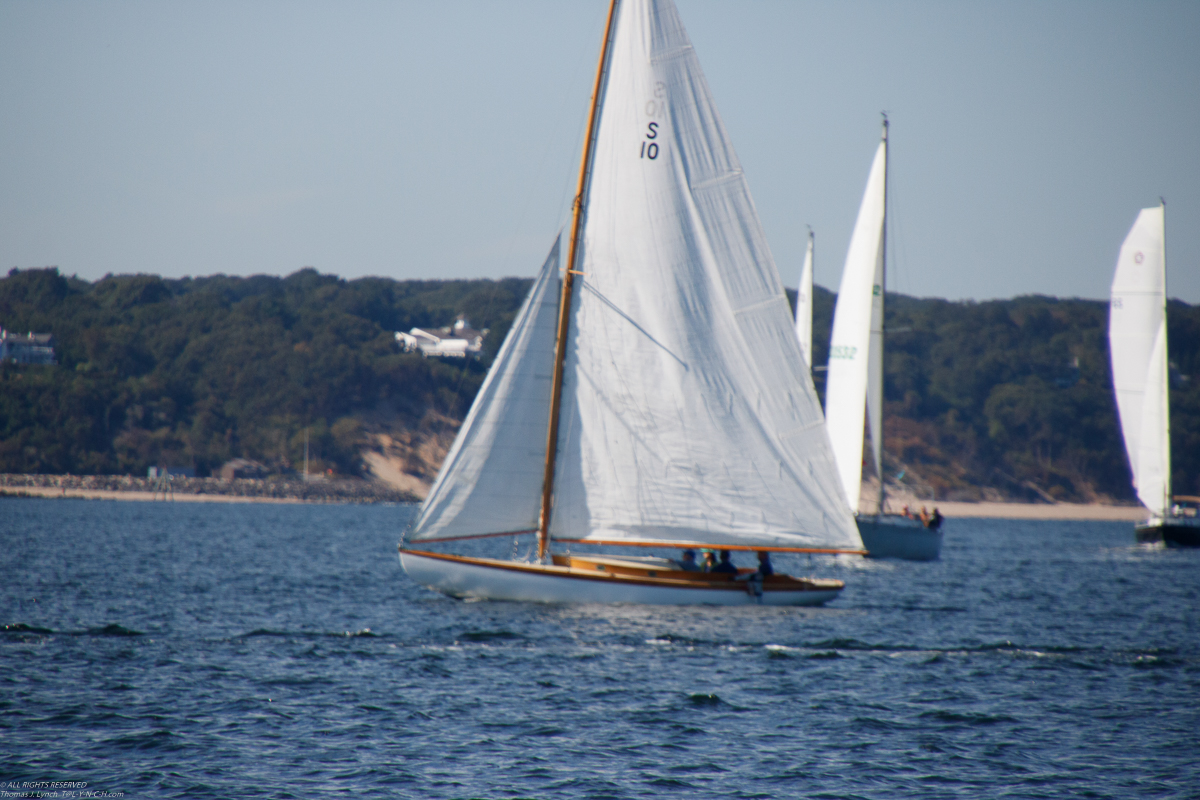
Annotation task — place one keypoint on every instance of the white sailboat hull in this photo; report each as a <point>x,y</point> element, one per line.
<point>899,537</point>
<point>491,579</point>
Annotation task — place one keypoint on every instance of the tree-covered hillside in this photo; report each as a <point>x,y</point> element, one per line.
<point>1009,397</point>
<point>193,372</point>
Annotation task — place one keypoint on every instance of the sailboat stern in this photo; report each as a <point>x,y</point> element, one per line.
<point>891,536</point>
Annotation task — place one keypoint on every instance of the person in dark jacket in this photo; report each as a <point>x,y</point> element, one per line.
<point>726,565</point>
<point>687,561</point>
<point>754,580</point>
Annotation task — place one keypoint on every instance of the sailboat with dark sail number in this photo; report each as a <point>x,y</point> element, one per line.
<point>855,378</point>
<point>655,396</point>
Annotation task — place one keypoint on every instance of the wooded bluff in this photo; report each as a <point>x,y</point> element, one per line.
<point>998,399</point>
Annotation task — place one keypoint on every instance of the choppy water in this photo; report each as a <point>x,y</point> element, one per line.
<point>194,650</point>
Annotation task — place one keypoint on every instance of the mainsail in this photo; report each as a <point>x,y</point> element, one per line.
<point>491,480</point>
<point>855,375</point>
<point>688,413</point>
<point>804,304</point>
<point>1137,335</point>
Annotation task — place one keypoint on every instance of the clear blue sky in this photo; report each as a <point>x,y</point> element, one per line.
<point>438,140</point>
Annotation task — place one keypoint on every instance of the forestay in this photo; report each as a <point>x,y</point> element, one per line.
<point>688,413</point>
<point>491,480</point>
<point>1137,334</point>
<point>855,375</point>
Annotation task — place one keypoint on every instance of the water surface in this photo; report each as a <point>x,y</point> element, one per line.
<point>203,650</point>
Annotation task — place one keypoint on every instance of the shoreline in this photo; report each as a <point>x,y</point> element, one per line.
<point>201,490</point>
<point>949,509</point>
<point>51,493</point>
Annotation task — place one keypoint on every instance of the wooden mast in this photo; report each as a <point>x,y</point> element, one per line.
<point>564,306</point>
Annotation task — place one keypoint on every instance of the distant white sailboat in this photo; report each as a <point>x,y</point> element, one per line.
<point>660,400</point>
<point>804,304</point>
<point>1137,336</point>
<point>854,381</point>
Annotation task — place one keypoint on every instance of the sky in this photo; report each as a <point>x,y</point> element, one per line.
<point>441,140</point>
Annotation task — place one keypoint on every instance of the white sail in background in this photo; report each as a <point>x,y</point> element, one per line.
<point>855,376</point>
<point>804,305</point>
<point>491,480</point>
<point>688,413</point>
<point>1137,335</point>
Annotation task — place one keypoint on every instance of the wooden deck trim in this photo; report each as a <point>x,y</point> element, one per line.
<point>746,548</point>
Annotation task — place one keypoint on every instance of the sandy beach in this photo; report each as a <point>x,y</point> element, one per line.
<point>1079,511</point>
<point>993,510</point>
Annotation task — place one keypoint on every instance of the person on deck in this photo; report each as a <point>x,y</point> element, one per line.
<point>687,561</point>
<point>754,580</point>
<point>935,520</point>
<point>764,568</point>
<point>710,561</point>
<point>726,565</point>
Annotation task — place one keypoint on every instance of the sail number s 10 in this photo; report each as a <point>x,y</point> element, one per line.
<point>656,108</point>
<point>649,146</point>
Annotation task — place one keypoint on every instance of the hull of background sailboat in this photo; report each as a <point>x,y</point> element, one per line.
<point>899,537</point>
<point>1172,531</point>
<point>492,579</point>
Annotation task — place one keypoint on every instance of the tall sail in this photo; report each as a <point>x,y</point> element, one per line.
<point>804,304</point>
<point>687,410</point>
<point>491,480</point>
<point>1137,335</point>
<point>855,375</point>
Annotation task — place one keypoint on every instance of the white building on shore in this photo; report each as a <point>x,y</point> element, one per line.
<point>30,348</point>
<point>457,341</point>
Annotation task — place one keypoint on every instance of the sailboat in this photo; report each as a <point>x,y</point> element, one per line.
<point>855,377</point>
<point>657,398</point>
<point>1137,337</point>
<point>804,304</point>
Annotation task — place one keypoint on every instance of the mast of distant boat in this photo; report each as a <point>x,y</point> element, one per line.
<point>882,308</point>
<point>804,302</point>
<point>564,308</point>
<point>1166,371</point>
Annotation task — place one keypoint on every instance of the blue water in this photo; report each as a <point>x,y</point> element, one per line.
<point>195,650</point>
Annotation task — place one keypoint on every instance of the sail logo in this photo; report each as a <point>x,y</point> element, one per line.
<point>875,291</point>
<point>842,351</point>
<point>1138,257</point>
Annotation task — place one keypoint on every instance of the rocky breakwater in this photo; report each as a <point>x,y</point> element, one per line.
<point>278,488</point>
